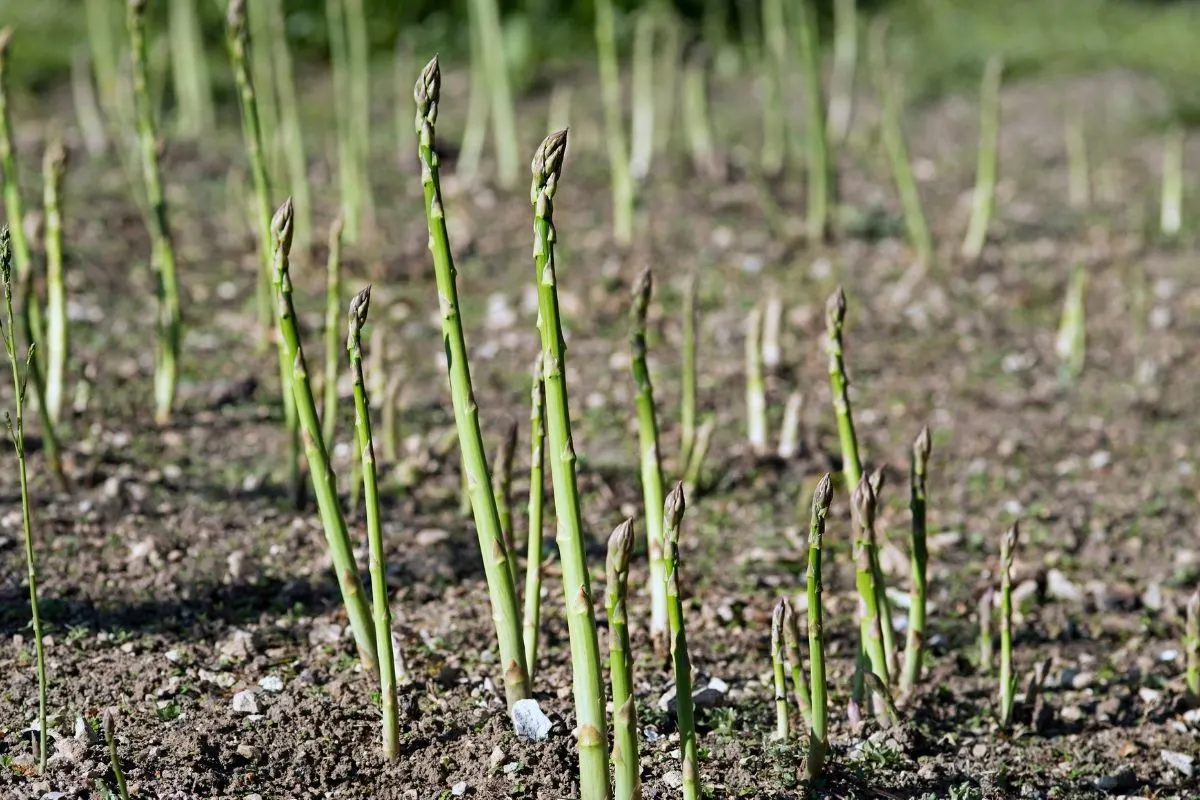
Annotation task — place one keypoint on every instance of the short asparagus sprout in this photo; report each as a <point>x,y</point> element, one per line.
<point>501,591</point>
<point>876,479</point>
<point>778,673</point>
<point>651,464</point>
<point>1171,206</point>
<point>986,652</point>
<point>789,430</point>
<point>502,481</point>
<point>818,733</point>
<point>533,541</point>
<point>985,171</point>
<point>791,645</point>
<point>1191,643</point>
<point>862,503</point>
<point>16,432</point>
<point>835,316</point>
<point>54,166</point>
<point>756,391</point>
<point>914,648</point>
<point>382,613</point>
<point>627,783</point>
<point>324,481</point>
<point>687,403</point>
<point>672,520</point>
<point>109,726</point>
<point>772,327</point>
<point>581,622</point>
<point>1071,342</point>
<point>333,313</point>
<point>1008,679</point>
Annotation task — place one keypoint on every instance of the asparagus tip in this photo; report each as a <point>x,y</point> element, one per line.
<point>782,609</point>
<point>923,445</point>
<point>835,308</point>
<point>620,547</point>
<point>1010,542</point>
<point>548,160</point>
<point>673,509</point>
<point>5,256</point>
<point>877,479</point>
<point>56,155</point>
<point>863,502</point>
<point>281,224</point>
<point>359,305</point>
<point>428,90</point>
<point>108,723</point>
<point>823,496</point>
<point>642,287</point>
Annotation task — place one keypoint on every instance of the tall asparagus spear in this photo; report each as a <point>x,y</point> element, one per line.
<point>533,543</point>
<point>379,592</point>
<point>627,781</point>
<point>333,312</point>
<point>501,591</point>
<point>916,604</point>
<point>791,646</point>
<point>687,403</point>
<point>323,478</point>
<point>985,174</point>
<point>54,164</point>
<point>782,725</point>
<point>1008,678</point>
<point>862,502</point>
<point>835,316</point>
<point>818,734</point>
<point>816,155</point>
<point>581,620</point>
<point>672,520</point>
<point>652,477</point>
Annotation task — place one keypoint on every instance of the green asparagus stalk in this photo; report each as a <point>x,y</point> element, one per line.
<point>642,80</point>
<point>985,630</point>
<point>499,91</point>
<point>774,147</point>
<point>626,776</point>
<point>291,131</point>
<point>816,153</point>
<point>845,63</point>
<point>914,648</point>
<point>323,479</point>
<point>835,317</point>
<point>379,592</point>
<point>501,591</point>
<point>892,129</point>
<point>1191,643</point>
<point>237,41</point>
<point>108,724</point>
<point>1079,179</point>
<point>695,464</point>
<point>789,429</point>
<point>533,541</point>
<point>359,51</point>
<point>166,373</point>
<point>870,615</point>
<point>333,306</point>
<point>791,644</point>
<point>614,126</point>
<point>756,392</point>
<point>1171,207</point>
<point>581,620</point>
<point>687,403</point>
<point>503,488</point>
<point>666,70</point>
<point>102,44</point>
<point>87,105</point>
<point>696,115</point>
<point>985,173</point>
<point>782,725</point>
<point>652,475</point>
<point>772,326</point>
<point>1071,342</point>
<point>54,166</point>
<point>818,743</point>
<point>470,152</point>
<point>672,520</point>
<point>262,74</point>
<point>876,480</point>
<point>16,433</point>
<point>189,71</point>
<point>349,175</point>
<point>1008,679</point>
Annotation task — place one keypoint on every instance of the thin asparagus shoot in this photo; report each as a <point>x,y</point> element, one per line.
<point>189,71</point>
<point>333,312</point>
<point>16,433</point>
<point>379,592</point>
<point>756,392</point>
<point>1171,206</point>
<point>845,63</point>
<point>915,645</point>
<point>651,464</point>
<point>672,520</point>
<point>170,334</point>
<point>1191,643</point>
<point>687,403</point>
<point>696,114</point>
<point>496,74</point>
<point>862,503</point>
<point>772,327</point>
<point>835,317</point>
<point>1071,343</point>
<point>791,645</point>
<point>818,743</point>
<point>87,106</point>
<point>816,154</point>
<point>985,171</point>
<point>533,541</point>
<point>666,70</point>
<point>109,726</point>
<point>782,725</point>
<point>986,656</point>
<point>501,591</point>
<point>626,777</point>
<point>54,166</point>
<point>1079,178</point>
<point>502,482</point>
<point>614,127</point>
<point>695,466</point>
<point>291,131</point>
<point>1008,679</point>
<point>323,479</point>
<point>581,621</point>
<point>642,139</point>
<point>789,430</point>
<point>774,146</point>
<point>875,480</point>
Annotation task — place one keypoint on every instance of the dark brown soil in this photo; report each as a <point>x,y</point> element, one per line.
<point>174,574</point>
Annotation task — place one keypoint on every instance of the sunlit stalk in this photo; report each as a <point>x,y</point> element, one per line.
<point>985,172</point>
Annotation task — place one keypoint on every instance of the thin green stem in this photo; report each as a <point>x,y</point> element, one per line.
<point>1191,643</point>
<point>502,483</point>
<point>845,63</point>
<point>871,630</point>
<point>499,91</point>
<point>684,709</point>
<point>791,645</point>
<point>774,75</point>
<point>779,675</point>
<point>818,743</point>
<point>835,317</point>
<point>189,71</point>
<point>627,780</point>
<point>915,645</point>
<point>53,167</point>
<point>642,80</point>
<point>985,172</point>
<point>333,311</point>
<point>1008,678</point>
<point>614,126</point>
<point>292,133</point>
<point>817,145</point>
<point>756,391</point>
<point>533,541</point>
<point>108,724</point>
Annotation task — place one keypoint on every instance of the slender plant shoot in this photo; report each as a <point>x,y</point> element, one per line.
<point>533,541</point>
<point>756,390</point>
<point>791,646</point>
<point>1191,643</point>
<point>915,645</point>
<point>778,673</point>
<point>818,740</point>
<point>985,172</point>
<point>816,153</point>
<point>862,502</point>
<point>626,775</point>
<point>845,64</point>
<point>108,724</point>
<point>687,403</point>
<point>333,313</point>
<point>614,126</point>
<point>684,710</point>
<point>835,317</point>
<point>501,591</point>
<point>53,167</point>
<point>1008,678</point>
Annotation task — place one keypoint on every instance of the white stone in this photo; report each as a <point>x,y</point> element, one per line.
<point>1180,761</point>
<point>459,789</point>
<point>271,683</point>
<point>529,721</point>
<point>245,702</point>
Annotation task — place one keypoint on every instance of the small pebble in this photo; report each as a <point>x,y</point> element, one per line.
<point>271,683</point>
<point>529,721</point>
<point>459,789</point>
<point>673,779</point>
<point>1180,761</point>
<point>244,702</point>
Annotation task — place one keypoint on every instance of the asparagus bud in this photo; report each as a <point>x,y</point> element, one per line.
<point>673,511</point>
<point>281,224</point>
<point>427,92</point>
<point>862,501</point>
<point>358,312</point>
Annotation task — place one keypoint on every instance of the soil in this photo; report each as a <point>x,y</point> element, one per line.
<point>175,574</point>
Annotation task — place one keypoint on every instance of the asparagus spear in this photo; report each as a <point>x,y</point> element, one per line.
<point>691,478</point>
<point>818,734</point>
<point>379,592</point>
<point>791,644</point>
<point>627,781</point>
<point>1191,643</point>
<point>1170,207</point>
<point>985,174</point>
<point>581,621</point>
<point>652,477</point>
<point>533,543</point>
<point>614,131</point>
<point>687,404</point>
<point>871,632</point>
<point>1008,679</point>
<point>756,393</point>
<point>916,605</point>
<point>54,165</point>
<point>501,591</point>
<point>845,61</point>
<point>108,724</point>
<point>985,630</point>
<point>777,669</point>
<point>835,316</point>
<point>816,154</point>
<point>672,519</point>
<point>333,311</point>
<point>503,490</point>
